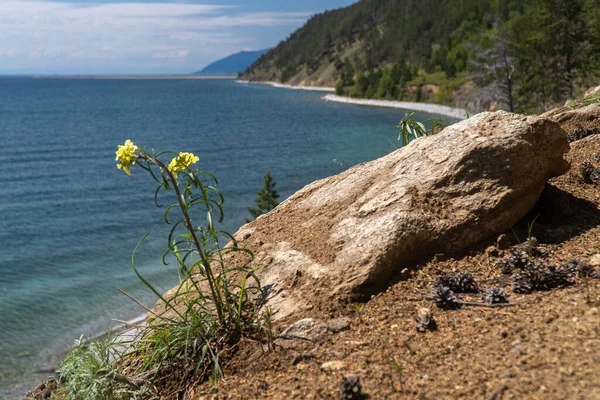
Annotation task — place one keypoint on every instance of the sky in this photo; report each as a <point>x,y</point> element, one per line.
<point>141,36</point>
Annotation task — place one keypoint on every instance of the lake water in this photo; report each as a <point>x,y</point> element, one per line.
<point>70,219</point>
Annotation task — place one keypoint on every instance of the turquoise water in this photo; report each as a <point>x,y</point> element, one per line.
<point>70,219</point>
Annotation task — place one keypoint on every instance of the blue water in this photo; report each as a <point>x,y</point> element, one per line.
<point>70,219</point>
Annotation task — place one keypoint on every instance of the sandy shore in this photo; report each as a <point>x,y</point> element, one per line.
<point>283,86</point>
<point>436,109</point>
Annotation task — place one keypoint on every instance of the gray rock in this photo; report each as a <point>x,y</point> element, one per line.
<point>338,324</point>
<point>306,330</point>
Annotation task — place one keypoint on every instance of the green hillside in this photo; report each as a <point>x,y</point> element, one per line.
<point>479,54</point>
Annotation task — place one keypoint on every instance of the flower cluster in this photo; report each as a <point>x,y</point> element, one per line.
<point>182,162</point>
<point>126,156</point>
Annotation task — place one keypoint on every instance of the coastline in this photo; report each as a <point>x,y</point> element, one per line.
<point>436,109</point>
<point>134,77</point>
<point>291,87</point>
<point>446,111</point>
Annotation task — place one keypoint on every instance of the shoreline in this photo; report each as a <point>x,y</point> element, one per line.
<point>131,77</point>
<point>430,108</point>
<point>291,87</point>
<point>446,111</point>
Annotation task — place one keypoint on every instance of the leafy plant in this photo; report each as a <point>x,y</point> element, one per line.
<point>411,129</point>
<point>209,311</point>
<point>88,372</point>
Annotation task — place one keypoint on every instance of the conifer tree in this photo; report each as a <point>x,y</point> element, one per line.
<point>267,198</point>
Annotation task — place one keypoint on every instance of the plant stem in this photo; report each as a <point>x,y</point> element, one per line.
<point>205,263</point>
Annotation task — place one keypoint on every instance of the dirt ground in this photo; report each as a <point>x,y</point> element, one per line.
<point>547,346</point>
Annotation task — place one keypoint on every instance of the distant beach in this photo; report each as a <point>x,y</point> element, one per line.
<point>436,109</point>
<point>292,87</point>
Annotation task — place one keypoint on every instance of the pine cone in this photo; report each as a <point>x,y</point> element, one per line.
<point>351,388</point>
<point>495,295</point>
<point>444,298</point>
<point>579,133</point>
<point>521,283</point>
<point>539,277</point>
<point>575,266</point>
<point>517,260</point>
<point>587,169</point>
<point>556,277</point>
<point>460,282</point>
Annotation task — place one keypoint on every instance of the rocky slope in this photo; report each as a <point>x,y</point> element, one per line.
<point>346,235</point>
<point>359,269</point>
<point>543,346</point>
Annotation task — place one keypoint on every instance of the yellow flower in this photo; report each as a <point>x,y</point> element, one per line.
<point>182,162</point>
<point>126,156</point>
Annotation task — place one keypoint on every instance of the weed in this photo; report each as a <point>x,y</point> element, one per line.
<point>208,313</point>
<point>412,129</point>
<point>89,373</point>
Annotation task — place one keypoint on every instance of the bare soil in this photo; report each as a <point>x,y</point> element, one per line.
<point>547,346</point>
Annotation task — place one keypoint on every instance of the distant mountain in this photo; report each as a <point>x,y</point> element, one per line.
<point>233,64</point>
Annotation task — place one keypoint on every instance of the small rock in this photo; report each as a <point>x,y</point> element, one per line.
<point>302,331</point>
<point>503,242</point>
<point>337,354</point>
<point>551,317</point>
<point>518,350</point>
<point>593,311</point>
<point>338,324</point>
<point>335,365</point>
<point>595,260</point>
<point>424,320</point>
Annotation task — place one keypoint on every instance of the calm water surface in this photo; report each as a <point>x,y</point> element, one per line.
<point>70,219</point>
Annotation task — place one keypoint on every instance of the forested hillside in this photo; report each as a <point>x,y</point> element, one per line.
<point>481,54</point>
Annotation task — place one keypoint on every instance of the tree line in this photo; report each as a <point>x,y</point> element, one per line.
<point>533,53</point>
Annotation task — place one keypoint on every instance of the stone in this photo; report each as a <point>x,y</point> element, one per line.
<point>345,236</point>
<point>306,330</point>
<point>423,319</point>
<point>503,242</point>
<point>335,365</point>
<point>595,260</point>
<point>338,324</point>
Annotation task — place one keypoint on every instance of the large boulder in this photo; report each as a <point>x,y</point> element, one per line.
<point>348,234</point>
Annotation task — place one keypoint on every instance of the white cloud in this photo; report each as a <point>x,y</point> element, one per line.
<point>53,36</point>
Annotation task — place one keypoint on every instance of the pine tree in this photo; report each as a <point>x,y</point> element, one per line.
<point>267,198</point>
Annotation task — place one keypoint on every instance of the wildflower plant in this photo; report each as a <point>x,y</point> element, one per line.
<point>212,307</point>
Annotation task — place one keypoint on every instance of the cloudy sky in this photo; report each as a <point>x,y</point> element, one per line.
<point>138,36</point>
